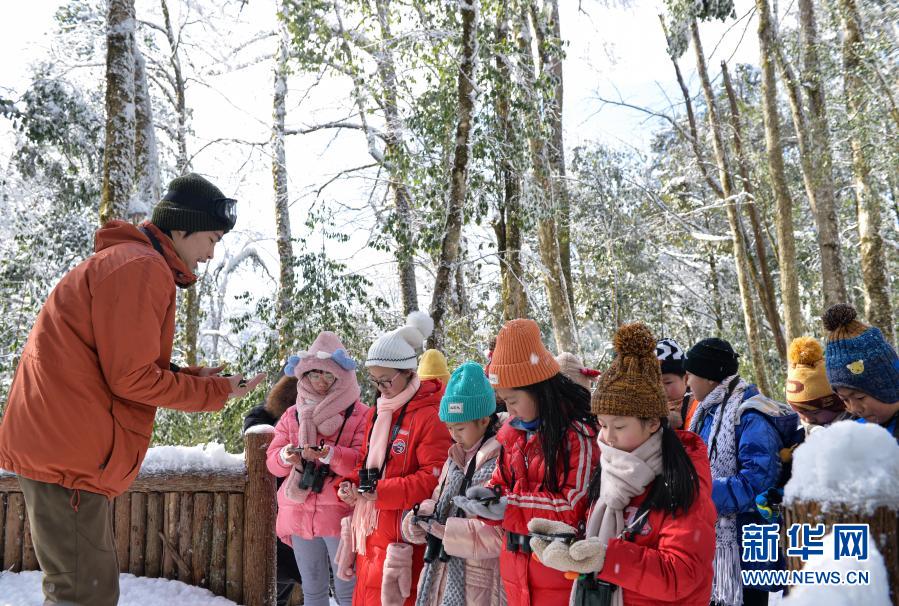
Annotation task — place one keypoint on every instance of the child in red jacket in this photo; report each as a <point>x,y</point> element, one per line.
<point>549,450</point>
<point>404,449</point>
<point>650,534</point>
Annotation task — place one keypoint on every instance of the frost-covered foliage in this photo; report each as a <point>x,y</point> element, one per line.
<point>48,199</point>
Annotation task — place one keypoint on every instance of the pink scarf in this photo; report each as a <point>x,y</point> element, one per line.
<point>365,515</point>
<point>322,414</point>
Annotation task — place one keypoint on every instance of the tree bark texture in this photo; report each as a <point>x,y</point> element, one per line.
<point>767,294</point>
<point>878,309</point>
<point>118,155</point>
<point>458,191</point>
<point>789,280</point>
<point>279,181</point>
<point>741,256</point>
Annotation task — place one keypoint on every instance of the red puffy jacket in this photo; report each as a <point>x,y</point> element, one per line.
<point>519,472</point>
<point>410,476</point>
<point>670,560</point>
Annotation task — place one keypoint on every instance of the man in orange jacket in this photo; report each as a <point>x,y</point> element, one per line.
<point>95,368</point>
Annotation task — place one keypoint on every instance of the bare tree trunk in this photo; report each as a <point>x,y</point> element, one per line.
<point>145,153</point>
<point>766,282</point>
<point>279,179</point>
<point>176,79</point>
<point>547,24</point>
<point>789,281</point>
<point>560,310</point>
<point>452,231</point>
<point>394,160</point>
<point>716,292</point>
<point>508,224</point>
<point>878,309</point>
<point>741,256</point>
<point>118,156</point>
<point>815,158</point>
<point>190,302</point>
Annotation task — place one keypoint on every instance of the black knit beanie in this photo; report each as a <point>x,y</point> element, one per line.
<point>713,359</point>
<point>189,205</point>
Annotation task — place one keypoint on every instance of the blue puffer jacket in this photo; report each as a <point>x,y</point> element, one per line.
<point>891,426</point>
<point>763,428</point>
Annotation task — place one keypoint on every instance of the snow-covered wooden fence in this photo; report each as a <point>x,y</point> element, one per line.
<point>206,520</point>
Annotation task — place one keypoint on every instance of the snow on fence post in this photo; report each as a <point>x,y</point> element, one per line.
<point>848,473</point>
<point>259,522</point>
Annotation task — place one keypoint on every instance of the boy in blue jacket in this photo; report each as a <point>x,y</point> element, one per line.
<point>745,433</point>
<point>862,368</point>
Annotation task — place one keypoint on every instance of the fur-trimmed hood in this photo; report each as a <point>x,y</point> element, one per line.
<point>282,396</point>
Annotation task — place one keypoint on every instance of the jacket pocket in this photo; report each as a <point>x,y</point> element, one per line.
<point>132,426</point>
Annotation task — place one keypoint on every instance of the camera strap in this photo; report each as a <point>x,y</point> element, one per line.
<point>393,434</point>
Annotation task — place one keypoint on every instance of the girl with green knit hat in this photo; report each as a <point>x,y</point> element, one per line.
<point>462,555</point>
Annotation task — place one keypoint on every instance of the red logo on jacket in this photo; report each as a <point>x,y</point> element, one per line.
<point>399,447</point>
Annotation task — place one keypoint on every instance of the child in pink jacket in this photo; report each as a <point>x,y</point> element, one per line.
<point>321,437</point>
<point>462,554</point>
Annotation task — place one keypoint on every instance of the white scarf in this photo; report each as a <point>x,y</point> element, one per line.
<point>623,476</point>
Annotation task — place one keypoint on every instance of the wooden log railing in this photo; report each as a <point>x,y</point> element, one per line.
<point>212,529</point>
<point>883,523</point>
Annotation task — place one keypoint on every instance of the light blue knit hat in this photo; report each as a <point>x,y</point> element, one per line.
<point>468,396</point>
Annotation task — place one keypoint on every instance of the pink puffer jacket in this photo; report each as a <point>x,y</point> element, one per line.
<point>320,514</point>
<point>479,544</point>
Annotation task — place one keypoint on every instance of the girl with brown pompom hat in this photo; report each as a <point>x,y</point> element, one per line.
<point>650,534</point>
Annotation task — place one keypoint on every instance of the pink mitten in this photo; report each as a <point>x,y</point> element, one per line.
<point>345,557</point>
<point>412,532</point>
<point>396,584</point>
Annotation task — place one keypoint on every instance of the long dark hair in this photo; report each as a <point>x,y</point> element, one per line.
<point>560,402</point>
<point>676,488</point>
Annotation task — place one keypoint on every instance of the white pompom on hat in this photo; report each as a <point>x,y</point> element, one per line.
<point>400,348</point>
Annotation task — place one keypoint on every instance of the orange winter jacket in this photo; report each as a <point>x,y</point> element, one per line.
<point>96,367</point>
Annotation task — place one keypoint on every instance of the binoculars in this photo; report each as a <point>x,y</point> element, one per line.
<point>433,545</point>
<point>434,550</point>
<point>314,476</point>
<point>368,479</point>
<point>518,542</point>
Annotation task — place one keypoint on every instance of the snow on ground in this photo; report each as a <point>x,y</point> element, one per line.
<point>24,589</point>
<point>204,457</point>
<point>876,593</point>
<point>847,463</point>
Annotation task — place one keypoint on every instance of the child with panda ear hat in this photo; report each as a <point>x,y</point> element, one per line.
<point>404,448</point>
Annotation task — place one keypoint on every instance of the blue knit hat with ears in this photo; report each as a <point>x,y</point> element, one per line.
<point>469,395</point>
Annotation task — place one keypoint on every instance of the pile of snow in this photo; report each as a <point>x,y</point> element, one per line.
<point>848,463</point>
<point>24,589</point>
<point>876,593</point>
<point>209,457</point>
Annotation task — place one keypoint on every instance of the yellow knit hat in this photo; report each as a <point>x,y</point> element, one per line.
<point>433,366</point>
<point>807,385</point>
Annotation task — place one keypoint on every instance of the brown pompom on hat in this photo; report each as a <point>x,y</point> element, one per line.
<point>632,386</point>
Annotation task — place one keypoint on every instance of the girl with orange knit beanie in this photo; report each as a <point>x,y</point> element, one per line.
<point>549,451</point>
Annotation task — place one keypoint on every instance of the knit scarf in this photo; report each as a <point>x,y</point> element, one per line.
<point>623,476</point>
<point>454,588</point>
<point>322,415</point>
<point>311,406</point>
<point>727,587</point>
<point>365,515</point>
